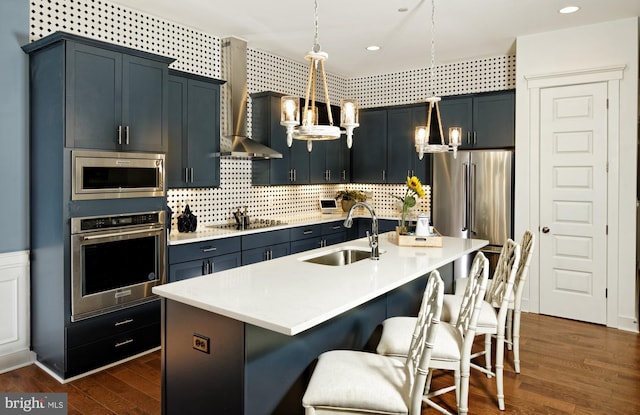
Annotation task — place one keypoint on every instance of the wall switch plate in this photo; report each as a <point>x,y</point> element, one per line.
<point>200,343</point>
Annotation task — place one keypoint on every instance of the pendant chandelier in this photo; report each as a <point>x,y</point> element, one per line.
<point>422,132</point>
<point>310,130</point>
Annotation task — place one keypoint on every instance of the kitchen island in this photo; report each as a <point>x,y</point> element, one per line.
<point>243,341</point>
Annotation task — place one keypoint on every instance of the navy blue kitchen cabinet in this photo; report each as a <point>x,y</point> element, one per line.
<point>80,91</point>
<point>114,100</point>
<point>402,158</point>
<point>263,246</point>
<point>487,120</point>
<point>369,150</point>
<point>201,258</point>
<point>192,159</point>
<point>95,342</point>
<point>304,238</point>
<point>329,159</point>
<point>384,149</point>
<point>293,167</point>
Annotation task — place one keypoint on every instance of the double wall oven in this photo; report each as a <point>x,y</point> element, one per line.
<point>117,256</point>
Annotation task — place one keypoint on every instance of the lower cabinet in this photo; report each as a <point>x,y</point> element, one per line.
<point>105,339</point>
<point>264,246</point>
<point>200,258</point>
<point>304,238</point>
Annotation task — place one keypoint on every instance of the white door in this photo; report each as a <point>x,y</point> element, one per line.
<point>573,197</point>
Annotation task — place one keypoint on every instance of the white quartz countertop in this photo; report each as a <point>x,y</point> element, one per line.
<point>288,295</point>
<point>207,232</point>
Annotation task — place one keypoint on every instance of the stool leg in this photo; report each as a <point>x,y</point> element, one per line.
<point>499,370</point>
<point>516,341</point>
<point>487,353</point>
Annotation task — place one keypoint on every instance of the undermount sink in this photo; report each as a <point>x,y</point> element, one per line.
<point>339,257</point>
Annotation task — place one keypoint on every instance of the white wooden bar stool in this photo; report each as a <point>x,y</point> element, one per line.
<point>493,316</point>
<point>353,382</point>
<point>452,349</point>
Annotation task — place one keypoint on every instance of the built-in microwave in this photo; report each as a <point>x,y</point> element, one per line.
<point>114,175</point>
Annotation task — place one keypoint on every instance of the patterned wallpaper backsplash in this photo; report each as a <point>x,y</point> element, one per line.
<point>199,52</point>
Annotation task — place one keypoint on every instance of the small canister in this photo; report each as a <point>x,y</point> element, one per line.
<point>422,225</point>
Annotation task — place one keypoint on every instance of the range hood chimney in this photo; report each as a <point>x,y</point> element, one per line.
<point>234,59</point>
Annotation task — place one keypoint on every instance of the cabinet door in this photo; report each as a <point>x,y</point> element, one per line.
<point>369,150</point>
<point>176,156</point>
<point>225,262</point>
<point>457,112</point>
<point>144,104</point>
<point>306,244</point>
<point>189,269</point>
<point>251,256</point>
<point>299,161</point>
<point>335,238</point>
<point>400,146</point>
<point>203,127</point>
<point>93,97</point>
<point>279,250</point>
<point>494,120</point>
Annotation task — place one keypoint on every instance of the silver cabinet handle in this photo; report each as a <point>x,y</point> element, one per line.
<point>469,137</point>
<point>309,232</point>
<point>208,249</point>
<point>344,175</point>
<point>126,135</point>
<point>123,322</point>
<point>120,344</point>
<point>475,136</point>
<point>119,135</point>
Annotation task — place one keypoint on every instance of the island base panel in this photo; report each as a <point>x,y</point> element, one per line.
<point>194,381</point>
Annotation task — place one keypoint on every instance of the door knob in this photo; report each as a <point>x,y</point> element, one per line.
<point>545,230</point>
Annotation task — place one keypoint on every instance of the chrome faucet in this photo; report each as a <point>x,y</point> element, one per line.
<point>373,237</point>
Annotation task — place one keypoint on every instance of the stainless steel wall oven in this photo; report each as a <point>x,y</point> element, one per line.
<point>113,175</point>
<point>115,261</point>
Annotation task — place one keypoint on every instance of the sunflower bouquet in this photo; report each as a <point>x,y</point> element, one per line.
<point>414,190</point>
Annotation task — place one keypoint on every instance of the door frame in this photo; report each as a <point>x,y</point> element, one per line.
<point>612,75</point>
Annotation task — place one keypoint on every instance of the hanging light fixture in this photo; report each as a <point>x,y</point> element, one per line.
<point>310,130</point>
<point>422,132</point>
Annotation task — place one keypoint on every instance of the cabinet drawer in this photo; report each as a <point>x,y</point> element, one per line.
<point>257,240</point>
<point>112,324</point>
<point>109,350</point>
<point>205,249</point>
<point>332,227</point>
<point>304,232</point>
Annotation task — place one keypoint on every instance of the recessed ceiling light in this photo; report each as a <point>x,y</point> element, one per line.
<point>373,48</point>
<point>569,9</point>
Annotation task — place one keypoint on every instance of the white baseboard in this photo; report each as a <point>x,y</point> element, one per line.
<point>91,372</point>
<point>16,360</point>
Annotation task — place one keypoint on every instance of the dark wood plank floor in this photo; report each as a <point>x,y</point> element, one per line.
<point>568,367</point>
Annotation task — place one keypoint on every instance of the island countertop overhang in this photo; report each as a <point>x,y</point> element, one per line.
<point>288,295</point>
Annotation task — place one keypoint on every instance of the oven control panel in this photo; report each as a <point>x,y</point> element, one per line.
<point>116,221</point>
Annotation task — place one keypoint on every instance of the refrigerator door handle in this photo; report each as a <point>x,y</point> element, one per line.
<point>472,198</point>
<point>465,194</point>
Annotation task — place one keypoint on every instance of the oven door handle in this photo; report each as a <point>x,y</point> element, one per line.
<point>123,233</point>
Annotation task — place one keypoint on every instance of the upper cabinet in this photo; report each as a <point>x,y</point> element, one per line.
<point>487,120</point>
<point>115,101</point>
<point>194,131</point>
<point>115,97</point>
<point>328,161</point>
<point>293,167</point>
<point>369,149</point>
<point>383,146</point>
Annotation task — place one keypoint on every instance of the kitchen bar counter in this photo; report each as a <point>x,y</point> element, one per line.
<point>288,295</point>
<point>243,341</point>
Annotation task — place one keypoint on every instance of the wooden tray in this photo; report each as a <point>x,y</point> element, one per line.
<point>413,240</point>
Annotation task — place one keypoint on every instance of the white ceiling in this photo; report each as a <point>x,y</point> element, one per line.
<point>465,29</point>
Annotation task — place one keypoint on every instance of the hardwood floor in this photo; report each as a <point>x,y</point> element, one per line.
<point>568,367</point>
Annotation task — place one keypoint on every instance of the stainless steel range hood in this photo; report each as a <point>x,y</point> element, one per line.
<point>234,59</point>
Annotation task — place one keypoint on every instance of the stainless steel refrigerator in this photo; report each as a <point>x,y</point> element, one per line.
<point>472,198</point>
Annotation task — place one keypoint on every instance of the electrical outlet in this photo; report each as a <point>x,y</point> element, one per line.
<point>200,343</point>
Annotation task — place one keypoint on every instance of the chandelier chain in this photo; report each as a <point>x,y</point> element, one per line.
<point>433,48</point>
